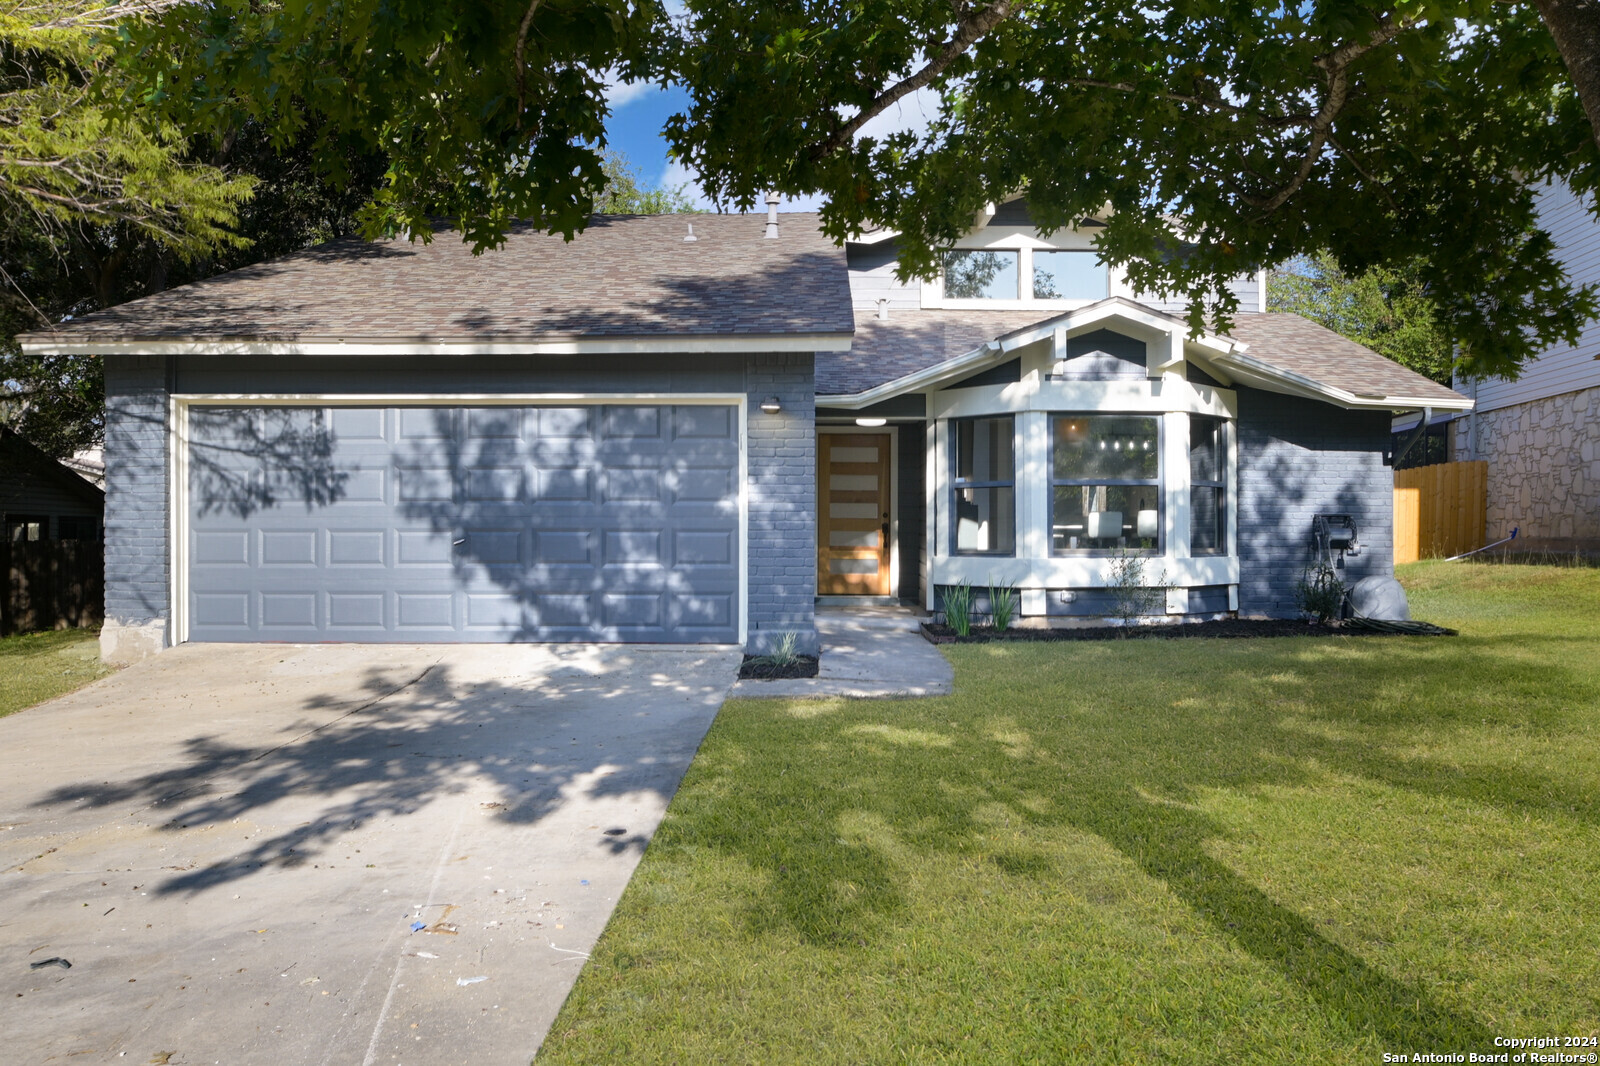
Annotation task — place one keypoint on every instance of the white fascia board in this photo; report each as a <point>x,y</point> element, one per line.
<point>1117,308</point>
<point>875,237</point>
<point>1274,379</point>
<point>663,345</point>
<point>1109,308</point>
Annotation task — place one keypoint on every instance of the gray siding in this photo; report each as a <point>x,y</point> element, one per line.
<point>781,472</point>
<point>911,489</point>
<point>137,579</point>
<point>1299,458</point>
<point>872,278</point>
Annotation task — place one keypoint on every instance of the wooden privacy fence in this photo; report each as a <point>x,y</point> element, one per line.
<point>1439,510</point>
<point>51,584</point>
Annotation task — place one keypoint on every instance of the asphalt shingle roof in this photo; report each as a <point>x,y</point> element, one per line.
<point>913,340</point>
<point>624,276</point>
<point>1285,341</point>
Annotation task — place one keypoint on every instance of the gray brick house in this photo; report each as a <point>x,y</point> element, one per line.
<point>687,429</point>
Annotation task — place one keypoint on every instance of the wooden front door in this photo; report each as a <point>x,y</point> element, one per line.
<point>853,514</point>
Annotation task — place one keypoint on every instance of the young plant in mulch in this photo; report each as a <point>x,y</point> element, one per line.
<point>1319,593</point>
<point>958,608</point>
<point>1002,605</point>
<point>783,663</point>
<point>1133,593</point>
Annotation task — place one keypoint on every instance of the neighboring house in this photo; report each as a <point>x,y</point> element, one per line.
<point>686,428</point>
<point>42,499</point>
<point>1540,434</point>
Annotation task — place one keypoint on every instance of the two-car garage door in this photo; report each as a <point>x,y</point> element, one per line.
<point>500,523</point>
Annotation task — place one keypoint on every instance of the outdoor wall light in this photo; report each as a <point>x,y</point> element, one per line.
<point>771,405</point>
<point>871,423</point>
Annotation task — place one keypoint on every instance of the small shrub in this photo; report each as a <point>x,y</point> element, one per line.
<point>1132,594</point>
<point>1002,605</point>
<point>1320,594</point>
<point>958,608</point>
<point>783,654</point>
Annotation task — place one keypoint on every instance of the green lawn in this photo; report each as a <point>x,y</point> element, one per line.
<point>1261,851</point>
<point>40,666</point>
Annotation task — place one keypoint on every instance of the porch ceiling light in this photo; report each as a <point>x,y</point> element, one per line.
<point>871,423</point>
<point>771,405</point>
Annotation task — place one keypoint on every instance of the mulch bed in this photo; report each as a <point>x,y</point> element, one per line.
<point>753,669</point>
<point>1223,629</point>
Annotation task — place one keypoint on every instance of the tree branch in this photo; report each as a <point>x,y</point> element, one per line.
<point>974,26</point>
<point>1335,65</point>
<point>522,66</point>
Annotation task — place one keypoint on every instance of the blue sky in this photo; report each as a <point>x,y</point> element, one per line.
<point>639,111</point>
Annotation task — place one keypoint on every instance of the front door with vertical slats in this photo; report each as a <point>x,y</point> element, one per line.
<point>853,510</point>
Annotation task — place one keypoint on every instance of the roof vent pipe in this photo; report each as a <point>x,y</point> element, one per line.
<point>772,216</point>
<point>883,310</point>
<point>691,236</point>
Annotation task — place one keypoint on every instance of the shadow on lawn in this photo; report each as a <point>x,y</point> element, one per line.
<point>1125,766</point>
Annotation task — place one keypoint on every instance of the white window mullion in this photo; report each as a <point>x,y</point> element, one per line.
<point>1175,468</point>
<point>1033,484</point>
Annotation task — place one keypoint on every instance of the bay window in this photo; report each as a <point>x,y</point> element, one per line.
<point>984,488</point>
<point>1105,483</point>
<point>1208,473</point>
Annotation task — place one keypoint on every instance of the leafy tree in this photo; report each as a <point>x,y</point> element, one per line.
<point>83,191</point>
<point>625,191</point>
<point>57,401</point>
<point>1212,139</point>
<point>489,112</point>
<point>1386,309</point>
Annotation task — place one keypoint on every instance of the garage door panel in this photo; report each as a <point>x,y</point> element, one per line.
<point>358,547</point>
<point>484,524</point>
<point>630,424</point>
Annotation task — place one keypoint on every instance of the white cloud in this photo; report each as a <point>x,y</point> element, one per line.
<point>620,94</point>
<point>676,174</point>
<point>915,112</point>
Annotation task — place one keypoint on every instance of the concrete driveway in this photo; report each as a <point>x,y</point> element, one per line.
<point>330,854</point>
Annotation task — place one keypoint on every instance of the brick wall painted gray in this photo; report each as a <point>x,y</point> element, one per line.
<point>136,490</point>
<point>1299,458</point>
<point>781,461</point>
<point>782,476</point>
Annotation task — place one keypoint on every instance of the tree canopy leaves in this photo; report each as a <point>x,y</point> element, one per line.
<point>1212,139</point>
<point>1240,136</point>
<point>1385,309</point>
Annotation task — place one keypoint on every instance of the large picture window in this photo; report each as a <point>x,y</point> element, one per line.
<point>1208,485</point>
<point>1105,483</point>
<point>984,494</point>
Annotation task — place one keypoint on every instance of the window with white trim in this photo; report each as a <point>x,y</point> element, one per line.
<point>1208,485</point>
<point>983,497</point>
<point>1105,483</point>
<point>1026,275</point>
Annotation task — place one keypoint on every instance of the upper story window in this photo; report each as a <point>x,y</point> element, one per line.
<point>984,488</point>
<point>1069,275</point>
<point>1023,275</point>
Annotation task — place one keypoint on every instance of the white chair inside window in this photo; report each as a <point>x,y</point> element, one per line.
<point>1105,525</point>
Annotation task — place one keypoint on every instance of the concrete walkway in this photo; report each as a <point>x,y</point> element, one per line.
<point>867,653</point>
<point>335,855</point>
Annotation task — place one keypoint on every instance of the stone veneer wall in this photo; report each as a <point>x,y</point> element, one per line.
<point>1544,470</point>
